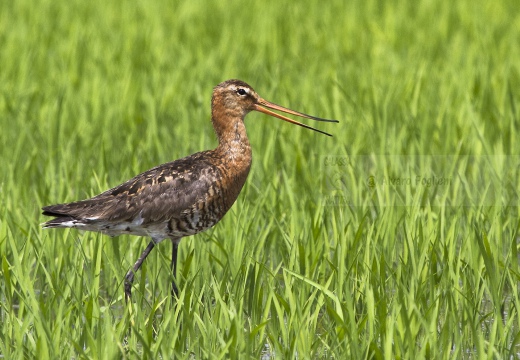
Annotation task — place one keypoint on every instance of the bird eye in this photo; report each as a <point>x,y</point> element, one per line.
<point>241,92</point>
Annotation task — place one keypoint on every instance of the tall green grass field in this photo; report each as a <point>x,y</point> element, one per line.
<point>397,238</point>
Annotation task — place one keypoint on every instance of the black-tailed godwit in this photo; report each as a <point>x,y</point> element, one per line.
<point>182,197</point>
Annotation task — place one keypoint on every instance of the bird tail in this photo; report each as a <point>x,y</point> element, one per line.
<point>60,220</point>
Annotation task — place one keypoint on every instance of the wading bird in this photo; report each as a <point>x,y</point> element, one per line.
<point>183,197</point>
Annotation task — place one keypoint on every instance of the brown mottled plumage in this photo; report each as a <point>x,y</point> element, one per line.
<point>182,197</point>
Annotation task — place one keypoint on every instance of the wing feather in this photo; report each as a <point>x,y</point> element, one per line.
<point>164,192</point>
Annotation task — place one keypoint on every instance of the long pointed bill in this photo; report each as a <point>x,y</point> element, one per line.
<point>260,107</point>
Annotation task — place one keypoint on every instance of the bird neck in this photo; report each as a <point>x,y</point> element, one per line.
<point>231,131</point>
<point>234,154</point>
<point>233,142</point>
<point>233,151</point>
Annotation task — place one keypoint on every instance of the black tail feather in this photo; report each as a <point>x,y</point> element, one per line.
<point>58,222</point>
<point>60,218</point>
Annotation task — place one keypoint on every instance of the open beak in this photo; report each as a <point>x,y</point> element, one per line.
<point>263,104</point>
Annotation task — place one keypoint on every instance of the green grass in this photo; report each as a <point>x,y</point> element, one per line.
<point>317,259</point>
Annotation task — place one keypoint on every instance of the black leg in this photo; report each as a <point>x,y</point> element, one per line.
<point>129,278</point>
<point>175,246</point>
